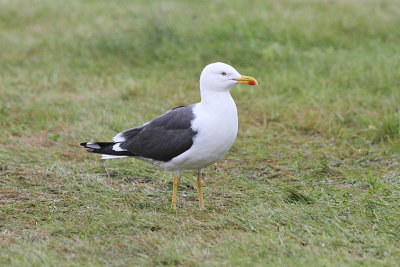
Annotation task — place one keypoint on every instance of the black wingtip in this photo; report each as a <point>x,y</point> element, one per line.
<point>83,144</point>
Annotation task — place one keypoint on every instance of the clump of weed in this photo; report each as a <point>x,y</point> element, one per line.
<point>294,196</point>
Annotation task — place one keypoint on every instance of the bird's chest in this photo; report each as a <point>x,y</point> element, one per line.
<point>216,130</point>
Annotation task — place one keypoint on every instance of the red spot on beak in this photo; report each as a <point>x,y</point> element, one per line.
<point>251,83</point>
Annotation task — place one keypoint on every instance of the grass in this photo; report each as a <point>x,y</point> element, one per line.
<point>312,179</point>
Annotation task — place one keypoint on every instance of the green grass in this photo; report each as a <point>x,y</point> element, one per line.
<point>313,178</point>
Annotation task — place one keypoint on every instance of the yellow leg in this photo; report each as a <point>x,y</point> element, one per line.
<point>200,191</point>
<point>174,189</point>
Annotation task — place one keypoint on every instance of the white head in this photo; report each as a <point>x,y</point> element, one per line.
<point>222,77</point>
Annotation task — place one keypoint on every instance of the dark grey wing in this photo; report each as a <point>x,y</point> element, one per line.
<point>163,138</point>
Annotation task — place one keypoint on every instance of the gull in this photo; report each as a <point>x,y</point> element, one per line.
<point>186,137</point>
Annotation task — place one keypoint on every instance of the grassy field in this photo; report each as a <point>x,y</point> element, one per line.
<point>313,178</point>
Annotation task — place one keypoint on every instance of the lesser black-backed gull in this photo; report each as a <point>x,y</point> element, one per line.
<point>186,137</point>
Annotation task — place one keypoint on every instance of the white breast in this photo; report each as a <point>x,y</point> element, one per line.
<point>216,126</point>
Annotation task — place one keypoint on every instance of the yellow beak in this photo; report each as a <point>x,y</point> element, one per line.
<point>247,80</point>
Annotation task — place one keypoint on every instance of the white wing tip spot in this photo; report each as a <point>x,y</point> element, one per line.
<point>93,145</point>
<point>117,147</point>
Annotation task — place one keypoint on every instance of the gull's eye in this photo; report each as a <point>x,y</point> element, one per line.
<point>223,73</point>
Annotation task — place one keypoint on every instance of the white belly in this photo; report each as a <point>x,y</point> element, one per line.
<point>216,131</point>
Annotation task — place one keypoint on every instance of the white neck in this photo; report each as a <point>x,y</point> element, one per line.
<point>211,97</point>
